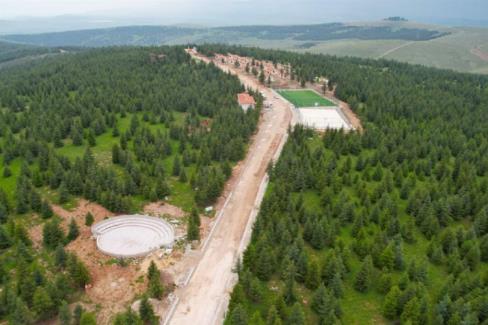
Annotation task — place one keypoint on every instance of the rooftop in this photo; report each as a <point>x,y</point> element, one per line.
<point>245,99</point>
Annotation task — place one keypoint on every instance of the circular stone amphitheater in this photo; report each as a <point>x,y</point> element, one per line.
<point>132,236</point>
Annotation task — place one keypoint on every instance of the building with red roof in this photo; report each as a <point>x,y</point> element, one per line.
<point>246,101</point>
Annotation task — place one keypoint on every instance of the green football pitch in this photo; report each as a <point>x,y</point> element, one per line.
<point>305,98</point>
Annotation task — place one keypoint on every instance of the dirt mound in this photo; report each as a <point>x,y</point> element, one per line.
<point>162,208</point>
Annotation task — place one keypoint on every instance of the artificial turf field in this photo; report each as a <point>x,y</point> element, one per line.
<point>305,98</point>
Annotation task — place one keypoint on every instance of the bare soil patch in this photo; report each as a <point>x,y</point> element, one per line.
<point>162,208</point>
<point>114,287</point>
<point>480,53</point>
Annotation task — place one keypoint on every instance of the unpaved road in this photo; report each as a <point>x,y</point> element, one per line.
<point>390,51</point>
<point>205,297</point>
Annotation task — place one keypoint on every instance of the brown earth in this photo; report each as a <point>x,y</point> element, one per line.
<point>113,287</point>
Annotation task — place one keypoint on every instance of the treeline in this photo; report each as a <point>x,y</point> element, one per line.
<point>11,51</point>
<point>394,219</point>
<point>37,285</point>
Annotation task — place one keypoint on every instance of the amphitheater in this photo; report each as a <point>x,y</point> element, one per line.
<point>132,235</point>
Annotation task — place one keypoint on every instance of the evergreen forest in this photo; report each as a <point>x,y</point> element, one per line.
<point>116,126</point>
<point>387,225</point>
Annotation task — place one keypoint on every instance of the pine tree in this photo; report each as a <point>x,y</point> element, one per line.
<point>176,166</point>
<point>88,319</point>
<point>91,138</point>
<point>64,314</point>
<point>387,257</point>
<point>193,230</point>
<point>183,178</point>
<point>152,271</point>
<point>384,283</point>
<point>60,256</point>
<point>391,303</point>
<point>473,257</point>
<point>3,214</point>
<point>77,136</point>
<point>46,210</point>
<point>115,154</point>
<point>21,314</point>
<point>63,196</point>
<point>337,286</point>
<point>289,294</point>
<point>324,304</point>
<point>129,317</point>
<point>238,316</point>
<point>73,231</point>
<point>78,272</point>
<point>273,317</point>
<point>363,278</point>
<point>256,319</point>
<point>5,240</point>
<point>146,311</point>
<point>297,316</point>
<point>52,234</point>
<point>312,280</point>
<point>89,219</point>
<point>43,305</point>
<point>7,172</point>
<point>411,312</point>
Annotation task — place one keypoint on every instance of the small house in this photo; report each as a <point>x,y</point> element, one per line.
<point>246,101</point>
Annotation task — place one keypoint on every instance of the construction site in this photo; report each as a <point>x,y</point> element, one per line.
<point>189,269</point>
<point>313,107</point>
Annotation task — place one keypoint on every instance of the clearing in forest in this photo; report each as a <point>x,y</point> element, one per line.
<point>305,98</point>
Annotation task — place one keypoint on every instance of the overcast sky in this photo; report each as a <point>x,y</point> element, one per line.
<point>249,11</point>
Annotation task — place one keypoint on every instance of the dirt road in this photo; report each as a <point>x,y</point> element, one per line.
<point>203,300</point>
<point>390,51</point>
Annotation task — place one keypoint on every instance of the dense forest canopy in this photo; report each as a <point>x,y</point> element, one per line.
<point>11,51</point>
<point>71,101</point>
<point>119,126</point>
<point>391,224</point>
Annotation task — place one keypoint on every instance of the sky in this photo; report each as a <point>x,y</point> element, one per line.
<point>234,12</point>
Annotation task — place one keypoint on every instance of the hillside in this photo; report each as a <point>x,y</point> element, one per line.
<point>390,225</point>
<point>155,35</point>
<point>12,53</point>
<point>462,49</point>
<point>120,128</point>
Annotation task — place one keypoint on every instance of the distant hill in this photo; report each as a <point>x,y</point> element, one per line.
<point>395,38</point>
<point>11,51</point>
<point>132,35</point>
<point>396,18</point>
<point>14,54</point>
<point>155,35</point>
<point>336,31</point>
